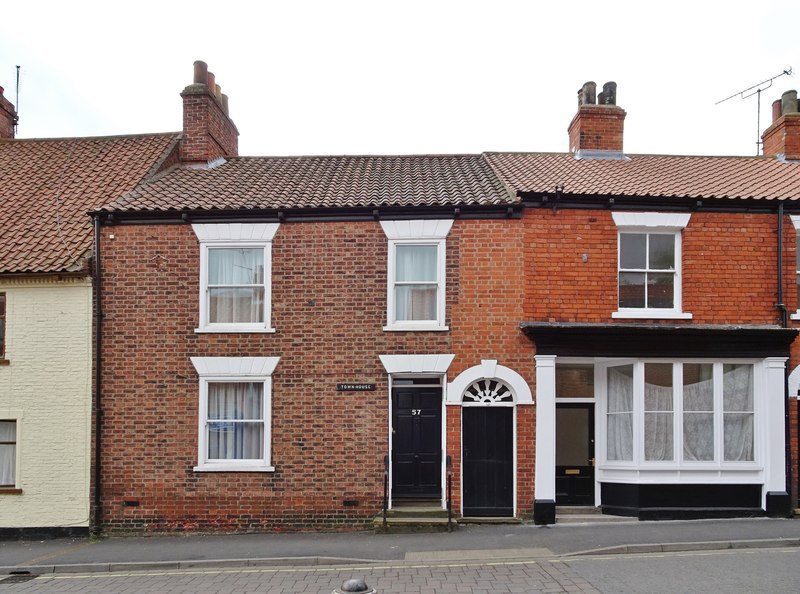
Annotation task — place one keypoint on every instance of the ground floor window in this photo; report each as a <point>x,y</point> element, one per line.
<point>235,421</point>
<point>234,413</point>
<point>687,412</point>
<point>8,453</point>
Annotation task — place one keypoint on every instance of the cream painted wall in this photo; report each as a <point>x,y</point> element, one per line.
<point>47,387</point>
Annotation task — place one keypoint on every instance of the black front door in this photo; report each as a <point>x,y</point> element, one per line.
<point>488,458</point>
<point>575,454</point>
<point>417,442</point>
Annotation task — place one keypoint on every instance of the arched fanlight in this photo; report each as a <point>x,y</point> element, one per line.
<point>487,391</point>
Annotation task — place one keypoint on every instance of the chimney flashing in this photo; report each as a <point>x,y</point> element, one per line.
<point>599,155</point>
<point>218,162</point>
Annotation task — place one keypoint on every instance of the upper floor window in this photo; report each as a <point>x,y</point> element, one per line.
<point>235,276</point>
<point>2,325</point>
<point>649,265</point>
<point>416,274</point>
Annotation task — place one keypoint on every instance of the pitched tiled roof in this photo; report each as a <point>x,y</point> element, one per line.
<point>48,186</point>
<point>651,175</point>
<point>322,182</point>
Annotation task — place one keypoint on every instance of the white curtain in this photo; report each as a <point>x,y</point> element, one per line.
<point>417,283</point>
<point>619,439</point>
<point>235,421</point>
<point>737,407</point>
<point>236,285</point>
<point>8,452</point>
<point>658,421</point>
<point>698,412</point>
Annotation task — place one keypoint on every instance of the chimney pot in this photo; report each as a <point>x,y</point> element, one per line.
<point>211,82</point>
<point>200,72</point>
<point>225,103</point>
<point>586,94</point>
<point>776,110</point>
<point>789,102</point>
<point>218,92</point>
<point>609,94</point>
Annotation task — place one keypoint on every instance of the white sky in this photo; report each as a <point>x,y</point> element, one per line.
<point>403,77</point>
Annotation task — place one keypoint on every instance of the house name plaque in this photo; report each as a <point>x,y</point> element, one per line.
<point>354,387</point>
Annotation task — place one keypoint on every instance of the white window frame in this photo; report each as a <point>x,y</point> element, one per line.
<point>234,370</point>
<point>418,233</point>
<point>796,223</point>
<point>718,464</point>
<point>660,224</point>
<point>235,235</point>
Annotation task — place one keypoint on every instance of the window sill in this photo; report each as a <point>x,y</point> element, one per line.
<point>689,467</point>
<point>4,361</point>
<point>235,330</point>
<point>650,314</point>
<point>232,468</point>
<point>10,491</point>
<point>415,328</point>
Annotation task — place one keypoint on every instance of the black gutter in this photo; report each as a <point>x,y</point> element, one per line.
<point>535,200</point>
<point>310,215</point>
<point>98,411</point>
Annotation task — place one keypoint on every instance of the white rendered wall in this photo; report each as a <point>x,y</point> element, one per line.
<point>48,383</point>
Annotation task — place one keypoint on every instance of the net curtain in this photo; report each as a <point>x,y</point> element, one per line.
<point>235,421</point>
<point>416,275</point>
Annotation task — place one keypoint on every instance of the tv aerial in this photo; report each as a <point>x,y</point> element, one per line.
<point>756,90</point>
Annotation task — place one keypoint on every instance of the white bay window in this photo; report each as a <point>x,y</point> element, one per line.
<point>679,413</point>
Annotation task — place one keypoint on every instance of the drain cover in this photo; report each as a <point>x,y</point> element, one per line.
<point>18,577</point>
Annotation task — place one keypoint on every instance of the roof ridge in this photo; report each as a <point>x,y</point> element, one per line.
<point>75,138</point>
<point>357,156</point>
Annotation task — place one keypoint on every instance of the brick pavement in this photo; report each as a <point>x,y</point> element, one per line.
<point>432,578</point>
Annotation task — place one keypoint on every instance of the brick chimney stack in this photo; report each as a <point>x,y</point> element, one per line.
<point>8,117</point>
<point>208,131</point>
<point>782,138</point>
<point>598,125</point>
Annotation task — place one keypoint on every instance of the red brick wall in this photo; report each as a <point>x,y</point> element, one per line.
<point>559,285</point>
<point>329,308</point>
<point>729,267</point>
<point>485,325</point>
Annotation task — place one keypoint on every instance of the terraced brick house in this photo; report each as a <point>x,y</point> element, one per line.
<point>47,187</point>
<point>299,342</point>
